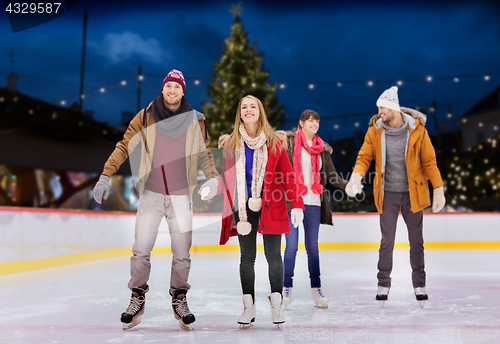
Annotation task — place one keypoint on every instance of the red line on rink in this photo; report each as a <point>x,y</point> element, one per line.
<point>204,327</point>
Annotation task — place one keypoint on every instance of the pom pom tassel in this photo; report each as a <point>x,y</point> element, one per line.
<point>244,228</point>
<point>255,204</point>
<point>317,189</point>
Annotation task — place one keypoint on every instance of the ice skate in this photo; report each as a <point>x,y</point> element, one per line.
<point>319,299</point>
<point>277,312</point>
<point>248,316</point>
<point>382,295</point>
<point>287,296</point>
<point>132,316</point>
<point>421,296</point>
<point>182,312</point>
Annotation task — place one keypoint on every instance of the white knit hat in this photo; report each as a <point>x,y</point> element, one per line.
<point>389,99</point>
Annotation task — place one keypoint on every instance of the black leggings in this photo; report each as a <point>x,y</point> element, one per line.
<point>248,251</point>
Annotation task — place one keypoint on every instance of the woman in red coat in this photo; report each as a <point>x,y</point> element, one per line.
<point>256,161</point>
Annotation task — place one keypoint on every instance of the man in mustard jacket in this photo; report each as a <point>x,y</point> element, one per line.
<point>166,143</point>
<point>404,161</point>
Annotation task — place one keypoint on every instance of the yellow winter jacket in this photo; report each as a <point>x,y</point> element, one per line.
<point>420,160</point>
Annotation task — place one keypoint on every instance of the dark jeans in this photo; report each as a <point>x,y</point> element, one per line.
<point>248,251</point>
<point>312,218</point>
<point>393,201</point>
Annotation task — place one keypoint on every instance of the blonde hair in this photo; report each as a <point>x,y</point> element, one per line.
<point>274,139</point>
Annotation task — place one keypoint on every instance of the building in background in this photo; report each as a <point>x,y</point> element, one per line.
<point>52,156</point>
<point>482,121</point>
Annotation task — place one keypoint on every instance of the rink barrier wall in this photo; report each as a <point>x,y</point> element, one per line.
<point>34,238</point>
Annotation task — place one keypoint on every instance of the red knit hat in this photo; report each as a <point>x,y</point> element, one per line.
<point>175,76</point>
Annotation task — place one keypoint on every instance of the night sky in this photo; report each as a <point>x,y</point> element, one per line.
<point>303,43</point>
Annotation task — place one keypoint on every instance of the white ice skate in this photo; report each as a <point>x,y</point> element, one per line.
<point>319,299</point>
<point>421,296</point>
<point>382,295</point>
<point>277,312</point>
<point>287,296</point>
<point>248,316</point>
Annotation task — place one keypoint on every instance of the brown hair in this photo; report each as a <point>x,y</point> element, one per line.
<point>233,141</point>
<point>306,115</point>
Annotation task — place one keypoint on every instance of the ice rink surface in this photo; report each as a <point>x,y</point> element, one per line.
<point>82,303</point>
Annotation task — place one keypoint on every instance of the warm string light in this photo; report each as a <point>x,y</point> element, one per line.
<point>102,89</point>
<point>312,86</point>
<point>431,109</point>
<point>399,82</point>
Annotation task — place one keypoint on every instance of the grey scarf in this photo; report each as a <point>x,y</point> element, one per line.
<point>395,131</point>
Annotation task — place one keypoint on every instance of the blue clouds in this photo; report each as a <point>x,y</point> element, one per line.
<point>126,44</point>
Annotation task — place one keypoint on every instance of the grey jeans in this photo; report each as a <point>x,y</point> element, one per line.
<point>179,215</point>
<point>393,201</point>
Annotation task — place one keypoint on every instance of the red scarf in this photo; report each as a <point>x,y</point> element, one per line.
<point>315,150</point>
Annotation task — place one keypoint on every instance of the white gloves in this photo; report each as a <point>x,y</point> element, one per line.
<point>297,216</point>
<point>209,189</point>
<point>354,186</point>
<point>438,201</point>
<point>101,189</point>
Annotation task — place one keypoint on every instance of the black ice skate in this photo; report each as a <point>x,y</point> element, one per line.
<point>132,316</point>
<point>182,312</point>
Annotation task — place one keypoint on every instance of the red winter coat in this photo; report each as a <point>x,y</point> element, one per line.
<point>279,179</point>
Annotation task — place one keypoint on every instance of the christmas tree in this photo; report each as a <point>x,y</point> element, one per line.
<point>238,73</point>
